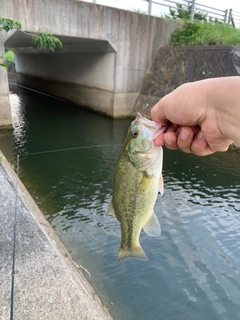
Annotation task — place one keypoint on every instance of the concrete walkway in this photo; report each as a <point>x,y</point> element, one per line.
<point>47,282</point>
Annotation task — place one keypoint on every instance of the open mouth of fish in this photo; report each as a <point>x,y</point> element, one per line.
<point>152,127</point>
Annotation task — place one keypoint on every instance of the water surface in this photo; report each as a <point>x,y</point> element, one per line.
<point>67,161</point>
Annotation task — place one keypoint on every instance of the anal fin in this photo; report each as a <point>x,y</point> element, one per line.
<point>111,210</point>
<point>152,227</point>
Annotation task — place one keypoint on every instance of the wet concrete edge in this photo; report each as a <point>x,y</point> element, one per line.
<point>39,218</point>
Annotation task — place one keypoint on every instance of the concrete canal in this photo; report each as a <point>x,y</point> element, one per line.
<point>67,160</point>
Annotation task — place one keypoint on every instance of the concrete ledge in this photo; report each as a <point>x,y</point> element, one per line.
<point>48,283</point>
<point>5,110</point>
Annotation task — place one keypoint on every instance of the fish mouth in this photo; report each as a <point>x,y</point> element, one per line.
<point>153,128</point>
<point>148,124</point>
<point>160,128</point>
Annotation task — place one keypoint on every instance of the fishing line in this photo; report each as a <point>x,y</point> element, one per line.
<point>16,203</point>
<point>68,149</point>
<point>14,241</point>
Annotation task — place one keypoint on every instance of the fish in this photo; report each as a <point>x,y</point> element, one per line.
<point>137,181</point>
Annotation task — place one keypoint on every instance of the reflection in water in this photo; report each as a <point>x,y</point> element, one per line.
<point>193,268</point>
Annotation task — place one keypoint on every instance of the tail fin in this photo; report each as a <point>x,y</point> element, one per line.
<point>136,253</point>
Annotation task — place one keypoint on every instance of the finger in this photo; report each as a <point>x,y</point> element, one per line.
<point>185,138</point>
<point>220,145</point>
<point>204,146</point>
<point>157,112</point>
<point>172,127</point>
<point>159,141</point>
<point>170,140</point>
<point>200,145</point>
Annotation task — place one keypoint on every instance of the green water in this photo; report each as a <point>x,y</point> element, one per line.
<point>193,271</point>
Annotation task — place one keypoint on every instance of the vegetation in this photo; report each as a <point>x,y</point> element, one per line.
<point>138,11</point>
<point>198,33</point>
<point>7,58</point>
<point>204,31</point>
<point>9,24</point>
<point>46,40</point>
<point>40,39</point>
<point>183,12</point>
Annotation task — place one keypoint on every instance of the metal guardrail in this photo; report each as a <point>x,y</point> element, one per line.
<point>234,18</point>
<point>212,14</point>
<point>228,16</point>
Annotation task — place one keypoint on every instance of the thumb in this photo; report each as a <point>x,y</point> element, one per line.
<point>158,114</point>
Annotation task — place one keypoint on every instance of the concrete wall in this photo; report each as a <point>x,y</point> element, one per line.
<point>5,111</point>
<point>82,78</point>
<point>118,48</point>
<point>93,69</point>
<point>174,66</point>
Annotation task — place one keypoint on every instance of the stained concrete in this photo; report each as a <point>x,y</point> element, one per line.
<point>105,56</point>
<point>5,110</point>
<point>174,66</point>
<point>48,284</point>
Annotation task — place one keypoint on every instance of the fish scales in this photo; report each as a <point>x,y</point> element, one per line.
<point>136,184</point>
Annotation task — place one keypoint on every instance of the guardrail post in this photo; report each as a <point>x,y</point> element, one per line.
<point>225,16</point>
<point>149,7</point>
<point>230,16</point>
<point>192,11</point>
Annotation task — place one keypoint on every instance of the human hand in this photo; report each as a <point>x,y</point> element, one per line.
<point>195,113</point>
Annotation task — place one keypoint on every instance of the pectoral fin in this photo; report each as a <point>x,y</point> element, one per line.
<point>152,227</point>
<point>111,210</point>
<point>160,185</point>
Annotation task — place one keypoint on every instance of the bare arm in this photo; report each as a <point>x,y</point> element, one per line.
<point>203,116</point>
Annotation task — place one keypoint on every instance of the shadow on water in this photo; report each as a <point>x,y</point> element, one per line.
<point>193,268</point>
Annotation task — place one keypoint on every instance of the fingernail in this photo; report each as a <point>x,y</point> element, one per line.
<point>200,135</point>
<point>168,140</point>
<point>184,134</point>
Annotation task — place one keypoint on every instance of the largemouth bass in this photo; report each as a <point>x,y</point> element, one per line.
<point>137,180</point>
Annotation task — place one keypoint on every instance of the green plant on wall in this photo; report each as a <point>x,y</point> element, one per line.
<point>40,39</point>
<point>9,24</point>
<point>7,58</point>
<point>46,40</point>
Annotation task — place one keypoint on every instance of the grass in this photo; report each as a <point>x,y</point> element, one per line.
<point>197,33</point>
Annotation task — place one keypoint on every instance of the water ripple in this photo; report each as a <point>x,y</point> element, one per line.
<point>193,268</point>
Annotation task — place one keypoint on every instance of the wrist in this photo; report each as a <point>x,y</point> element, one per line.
<point>228,108</point>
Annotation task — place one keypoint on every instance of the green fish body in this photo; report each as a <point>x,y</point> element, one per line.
<point>137,180</point>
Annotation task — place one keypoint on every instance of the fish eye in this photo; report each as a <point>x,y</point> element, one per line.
<point>135,133</point>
